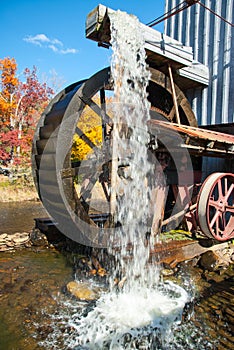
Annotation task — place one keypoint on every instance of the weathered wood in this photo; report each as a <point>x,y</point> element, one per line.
<point>80,211</point>
<point>159,197</point>
<point>160,48</point>
<point>163,81</point>
<point>174,95</point>
<point>174,252</point>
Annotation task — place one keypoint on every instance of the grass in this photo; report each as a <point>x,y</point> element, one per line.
<point>17,189</point>
<point>178,235</point>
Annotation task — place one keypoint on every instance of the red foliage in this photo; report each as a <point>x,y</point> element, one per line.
<point>21,104</point>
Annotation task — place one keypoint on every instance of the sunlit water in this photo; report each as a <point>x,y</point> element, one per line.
<point>118,321</point>
<point>36,313</point>
<point>130,138</point>
<point>145,312</point>
<point>19,216</point>
<point>142,311</point>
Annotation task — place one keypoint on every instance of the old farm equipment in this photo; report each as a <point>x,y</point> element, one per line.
<point>208,207</point>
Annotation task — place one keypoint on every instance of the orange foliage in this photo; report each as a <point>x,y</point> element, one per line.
<point>9,85</point>
<point>91,125</point>
<point>20,107</point>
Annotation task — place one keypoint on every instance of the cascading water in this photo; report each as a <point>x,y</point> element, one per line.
<point>131,169</point>
<point>140,313</point>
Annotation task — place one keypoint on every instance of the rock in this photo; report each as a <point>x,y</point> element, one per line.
<point>38,238</point>
<point>4,248</point>
<point>213,261</point>
<point>3,236</point>
<point>28,244</point>
<point>167,272</point>
<point>81,290</point>
<point>16,234</point>
<point>10,244</point>
<point>21,239</point>
<point>8,238</point>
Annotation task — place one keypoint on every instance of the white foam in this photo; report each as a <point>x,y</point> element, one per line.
<point>136,313</point>
<point>144,307</point>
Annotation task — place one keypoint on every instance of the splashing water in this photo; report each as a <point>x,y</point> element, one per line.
<point>140,313</point>
<point>131,169</point>
<point>129,320</point>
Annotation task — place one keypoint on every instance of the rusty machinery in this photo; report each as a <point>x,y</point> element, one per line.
<point>209,209</point>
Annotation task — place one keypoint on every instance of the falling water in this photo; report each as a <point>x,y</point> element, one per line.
<point>138,311</point>
<point>130,138</point>
<point>131,169</point>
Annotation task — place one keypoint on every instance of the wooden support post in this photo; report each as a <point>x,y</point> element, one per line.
<point>158,201</point>
<point>174,95</point>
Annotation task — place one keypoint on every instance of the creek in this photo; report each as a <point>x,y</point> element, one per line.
<point>36,312</point>
<point>192,309</point>
<point>19,216</point>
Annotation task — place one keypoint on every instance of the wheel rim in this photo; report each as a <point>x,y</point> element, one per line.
<point>56,128</point>
<point>215,208</point>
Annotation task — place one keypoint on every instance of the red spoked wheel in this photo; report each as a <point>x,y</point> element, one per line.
<point>215,207</point>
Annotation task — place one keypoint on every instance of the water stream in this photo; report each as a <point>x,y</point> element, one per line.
<point>37,313</point>
<point>142,308</point>
<point>137,308</point>
<point>19,217</point>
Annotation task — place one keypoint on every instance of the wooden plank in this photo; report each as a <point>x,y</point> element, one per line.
<point>159,47</point>
<point>174,252</point>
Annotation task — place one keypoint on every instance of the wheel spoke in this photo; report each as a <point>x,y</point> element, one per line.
<point>106,191</point>
<point>230,209</point>
<point>99,111</point>
<point>215,218</point>
<point>213,203</point>
<point>85,138</point>
<point>223,221</point>
<point>229,192</point>
<point>220,189</point>
<point>225,186</point>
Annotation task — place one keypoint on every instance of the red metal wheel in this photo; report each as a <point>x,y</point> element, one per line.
<point>215,207</point>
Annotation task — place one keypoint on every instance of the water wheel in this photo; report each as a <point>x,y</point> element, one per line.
<point>215,207</point>
<point>54,171</point>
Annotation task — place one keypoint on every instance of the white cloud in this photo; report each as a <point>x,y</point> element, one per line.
<point>68,51</point>
<point>53,48</point>
<point>37,39</point>
<point>56,42</point>
<point>55,45</point>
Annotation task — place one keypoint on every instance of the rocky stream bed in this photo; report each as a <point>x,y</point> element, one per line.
<point>45,279</point>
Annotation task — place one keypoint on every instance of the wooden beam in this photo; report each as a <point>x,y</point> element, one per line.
<point>174,95</point>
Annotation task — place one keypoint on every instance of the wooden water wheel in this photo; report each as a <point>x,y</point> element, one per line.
<point>53,169</point>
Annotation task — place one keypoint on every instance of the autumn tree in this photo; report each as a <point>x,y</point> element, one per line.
<point>9,87</point>
<point>32,100</point>
<point>90,125</point>
<point>21,104</point>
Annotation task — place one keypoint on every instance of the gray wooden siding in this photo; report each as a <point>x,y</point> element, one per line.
<point>212,41</point>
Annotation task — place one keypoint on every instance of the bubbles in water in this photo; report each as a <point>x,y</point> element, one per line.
<point>140,313</point>
<point>119,320</point>
<point>130,166</point>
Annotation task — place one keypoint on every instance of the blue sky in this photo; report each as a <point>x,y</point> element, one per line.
<point>51,35</point>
